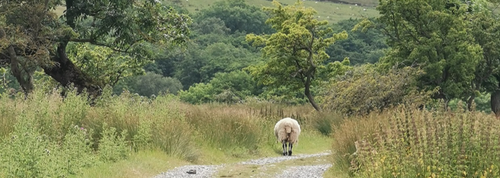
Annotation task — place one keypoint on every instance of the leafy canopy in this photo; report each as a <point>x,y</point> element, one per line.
<point>32,36</point>
<point>295,51</point>
<point>434,36</point>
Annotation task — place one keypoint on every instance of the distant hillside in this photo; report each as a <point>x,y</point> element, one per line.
<point>370,3</point>
<point>331,10</point>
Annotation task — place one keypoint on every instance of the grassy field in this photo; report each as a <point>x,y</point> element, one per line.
<point>332,12</point>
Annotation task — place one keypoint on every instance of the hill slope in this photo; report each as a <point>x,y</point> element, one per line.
<point>333,12</point>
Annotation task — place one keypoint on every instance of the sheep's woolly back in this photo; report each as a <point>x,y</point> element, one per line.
<point>287,130</point>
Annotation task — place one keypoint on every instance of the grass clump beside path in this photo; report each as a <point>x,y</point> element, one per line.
<point>407,142</point>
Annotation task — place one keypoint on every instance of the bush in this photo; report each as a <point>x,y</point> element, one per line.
<point>28,153</point>
<point>112,147</point>
<point>230,87</point>
<point>364,90</point>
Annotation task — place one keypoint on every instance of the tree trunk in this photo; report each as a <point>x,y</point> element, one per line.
<point>495,103</point>
<point>66,73</point>
<point>308,94</point>
<point>22,75</point>
<point>469,102</point>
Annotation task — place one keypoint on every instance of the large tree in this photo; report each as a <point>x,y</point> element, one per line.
<point>486,31</point>
<point>32,36</point>
<point>436,37</point>
<point>295,51</point>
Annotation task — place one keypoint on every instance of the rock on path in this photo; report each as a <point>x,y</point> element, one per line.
<point>208,171</point>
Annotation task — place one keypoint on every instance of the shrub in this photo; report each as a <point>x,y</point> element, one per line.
<point>28,153</point>
<point>112,147</point>
<point>364,90</point>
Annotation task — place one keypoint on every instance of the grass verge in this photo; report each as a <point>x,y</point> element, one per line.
<point>141,164</point>
<point>406,142</point>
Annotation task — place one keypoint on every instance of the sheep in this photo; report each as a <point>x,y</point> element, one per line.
<point>287,130</point>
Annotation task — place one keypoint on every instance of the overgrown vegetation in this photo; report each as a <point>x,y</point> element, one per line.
<point>406,142</point>
<point>365,89</point>
<point>159,83</point>
<point>50,136</point>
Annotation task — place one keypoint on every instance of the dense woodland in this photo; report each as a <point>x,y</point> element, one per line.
<point>204,56</point>
<point>415,54</point>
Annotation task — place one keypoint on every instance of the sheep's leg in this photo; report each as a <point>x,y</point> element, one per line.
<point>284,148</point>
<point>290,145</point>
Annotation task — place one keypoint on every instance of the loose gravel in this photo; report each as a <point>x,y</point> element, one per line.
<point>271,160</point>
<point>315,171</point>
<point>202,171</point>
<point>208,171</point>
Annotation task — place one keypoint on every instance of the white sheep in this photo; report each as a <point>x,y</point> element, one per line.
<point>287,130</point>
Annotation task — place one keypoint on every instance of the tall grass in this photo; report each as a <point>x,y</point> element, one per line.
<point>414,143</point>
<point>47,135</point>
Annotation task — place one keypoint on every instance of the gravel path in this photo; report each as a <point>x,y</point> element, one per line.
<point>202,171</point>
<point>208,171</point>
<point>305,171</point>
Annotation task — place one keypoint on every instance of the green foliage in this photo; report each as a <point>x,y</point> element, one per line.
<point>7,82</point>
<point>481,103</point>
<point>437,39</point>
<point>76,152</point>
<point>150,84</point>
<point>104,65</point>
<point>33,37</point>
<point>220,57</point>
<point>28,153</point>
<point>200,64</point>
<point>198,93</point>
<point>485,28</point>
<point>112,147</point>
<point>144,137</point>
<point>210,25</point>
<point>364,89</point>
<point>139,20</point>
<point>243,18</point>
<point>230,87</point>
<point>295,51</point>
<point>361,46</point>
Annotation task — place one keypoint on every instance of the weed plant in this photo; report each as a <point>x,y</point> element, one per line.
<point>419,143</point>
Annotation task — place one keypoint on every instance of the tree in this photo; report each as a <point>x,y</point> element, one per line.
<point>237,16</point>
<point>200,64</point>
<point>294,53</point>
<point>486,30</point>
<point>103,65</point>
<point>435,37</point>
<point>361,47</point>
<point>32,36</point>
